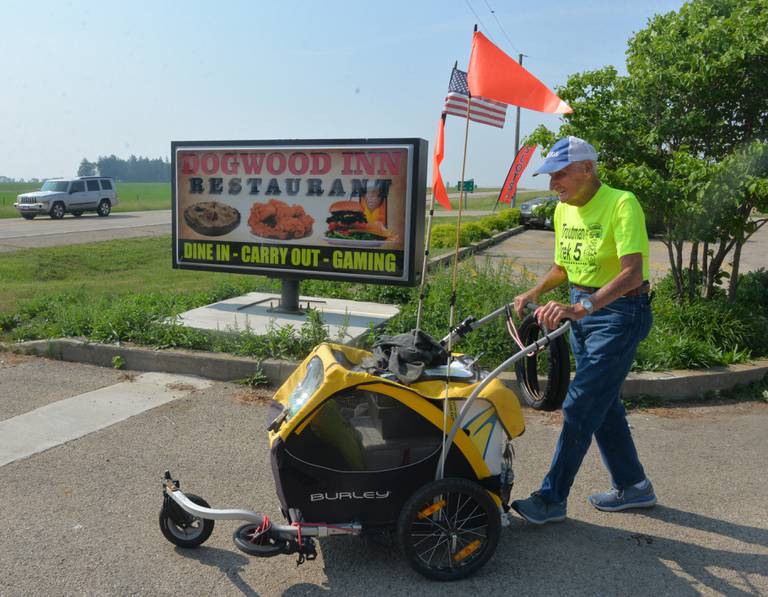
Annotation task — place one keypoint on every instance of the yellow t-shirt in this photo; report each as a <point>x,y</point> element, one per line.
<point>589,240</point>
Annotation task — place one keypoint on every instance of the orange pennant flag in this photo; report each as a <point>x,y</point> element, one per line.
<point>438,188</point>
<point>494,75</point>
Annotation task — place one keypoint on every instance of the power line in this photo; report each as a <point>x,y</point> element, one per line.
<point>479,20</point>
<point>493,12</point>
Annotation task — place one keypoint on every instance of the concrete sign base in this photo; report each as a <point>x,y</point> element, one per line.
<point>257,312</point>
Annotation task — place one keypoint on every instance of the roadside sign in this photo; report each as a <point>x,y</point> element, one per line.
<point>469,185</point>
<point>330,209</point>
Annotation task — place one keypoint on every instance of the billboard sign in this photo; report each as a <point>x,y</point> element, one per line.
<point>331,209</point>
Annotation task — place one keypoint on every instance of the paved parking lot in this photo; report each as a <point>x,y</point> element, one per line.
<point>81,517</point>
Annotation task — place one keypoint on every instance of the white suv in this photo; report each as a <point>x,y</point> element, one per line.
<point>74,195</point>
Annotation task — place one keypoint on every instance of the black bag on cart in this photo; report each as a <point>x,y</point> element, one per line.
<point>406,355</point>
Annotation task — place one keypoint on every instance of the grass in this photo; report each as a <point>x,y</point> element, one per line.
<point>101,269</point>
<point>122,291</point>
<point>134,196</point>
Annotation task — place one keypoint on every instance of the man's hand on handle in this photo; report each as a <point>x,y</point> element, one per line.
<point>551,314</point>
<point>521,300</point>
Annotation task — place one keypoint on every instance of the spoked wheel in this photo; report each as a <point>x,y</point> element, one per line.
<point>181,528</point>
<point>255,540</point>
<point>449,529</point>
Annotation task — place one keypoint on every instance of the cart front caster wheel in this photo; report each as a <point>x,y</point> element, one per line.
<point>181,528</point>
<point>449,529</point>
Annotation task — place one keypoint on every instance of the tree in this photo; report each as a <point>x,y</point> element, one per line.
<point>735,192</point>
<point>683,117</point>
<point>135,168</point>
<point>86,168</point>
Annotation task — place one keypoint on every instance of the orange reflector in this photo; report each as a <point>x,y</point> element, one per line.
<point>431,509</point>
<point>467,550</point>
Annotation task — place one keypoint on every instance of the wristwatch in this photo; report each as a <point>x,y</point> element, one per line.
<point>587,304</point>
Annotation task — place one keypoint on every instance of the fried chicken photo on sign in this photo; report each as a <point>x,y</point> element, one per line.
<point>278,220</point>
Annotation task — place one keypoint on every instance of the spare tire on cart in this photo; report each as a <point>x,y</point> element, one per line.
<point>551,396</point>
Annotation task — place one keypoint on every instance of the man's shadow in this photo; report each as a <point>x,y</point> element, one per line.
<point>740,532</point>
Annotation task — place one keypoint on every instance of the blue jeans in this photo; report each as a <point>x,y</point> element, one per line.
<point>604,345</point>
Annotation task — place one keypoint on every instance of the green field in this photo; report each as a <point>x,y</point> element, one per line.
<point>101,269</point>
<point>133,196</point>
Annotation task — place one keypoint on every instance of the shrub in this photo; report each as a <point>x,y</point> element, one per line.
<point>493,223</point>
<point>545,210</point>
<point>702,333</point>
<point>510,217</point>
<point>444,236</point>
<point>471,233</point>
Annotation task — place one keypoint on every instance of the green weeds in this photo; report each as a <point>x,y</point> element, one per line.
<point>125,291</point>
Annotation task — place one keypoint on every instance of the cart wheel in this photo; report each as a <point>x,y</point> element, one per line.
<point>249,539</point>
<point>180,527</point>
<point>449,529</point>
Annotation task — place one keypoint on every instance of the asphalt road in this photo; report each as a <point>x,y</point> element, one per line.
<point>17,233</point>
<point>81,518</point>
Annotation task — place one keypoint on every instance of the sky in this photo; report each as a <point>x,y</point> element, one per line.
<point>83,79</point>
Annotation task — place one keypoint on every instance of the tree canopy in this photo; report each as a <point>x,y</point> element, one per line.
<point>134,169</point>
<point>686,129</point>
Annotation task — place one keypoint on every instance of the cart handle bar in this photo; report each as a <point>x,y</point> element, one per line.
<point>470,324</point>
<point>538,345</point>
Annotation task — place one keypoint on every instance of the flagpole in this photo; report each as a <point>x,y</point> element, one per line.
<point>447,404</point>
<point>425,263</point>
<point>517,134</point>
<point>462,194</point>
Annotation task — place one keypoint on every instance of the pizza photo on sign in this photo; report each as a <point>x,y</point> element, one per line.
<point>348,225</point>
<point>211,218</point>
<point>279,221</point>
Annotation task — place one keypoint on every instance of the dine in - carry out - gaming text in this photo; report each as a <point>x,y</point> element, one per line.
<point>330,209</point>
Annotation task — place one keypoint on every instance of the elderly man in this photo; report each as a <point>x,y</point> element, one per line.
<point>601,250</point>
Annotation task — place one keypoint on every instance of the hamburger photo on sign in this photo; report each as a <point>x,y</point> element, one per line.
<point>355,223</point>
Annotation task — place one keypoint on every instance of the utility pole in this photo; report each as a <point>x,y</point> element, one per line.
<point>517,131</point>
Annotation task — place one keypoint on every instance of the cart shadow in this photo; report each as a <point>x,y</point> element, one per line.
<point>575,557</point>
<point>230,563</point>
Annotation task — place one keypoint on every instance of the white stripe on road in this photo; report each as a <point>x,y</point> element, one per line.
<point>71,418</point>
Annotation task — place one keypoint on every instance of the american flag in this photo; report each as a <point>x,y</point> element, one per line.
<point>481,110</point>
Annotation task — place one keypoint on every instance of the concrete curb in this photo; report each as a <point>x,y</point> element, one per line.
<point>679,384</point>
<point>211,365</point>
<point>668,386</point>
